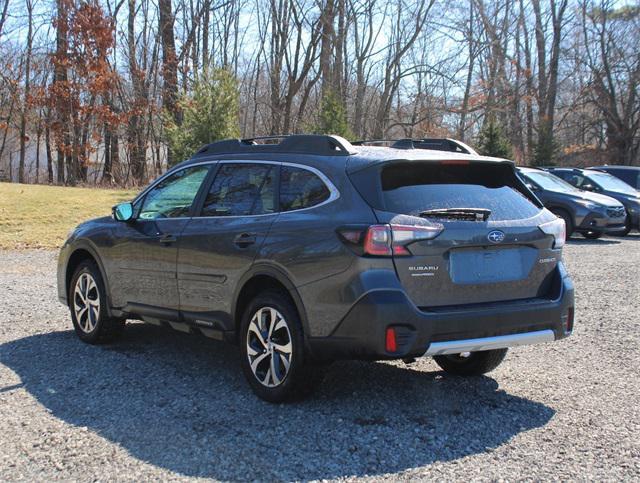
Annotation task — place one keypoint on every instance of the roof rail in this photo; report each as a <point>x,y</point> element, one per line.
<point>319,144</point>
<point>436,144</point>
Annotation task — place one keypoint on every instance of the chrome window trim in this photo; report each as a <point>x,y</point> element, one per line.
<point>334,194</point>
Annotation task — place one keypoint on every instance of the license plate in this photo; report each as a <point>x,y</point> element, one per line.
<point>488,266</point>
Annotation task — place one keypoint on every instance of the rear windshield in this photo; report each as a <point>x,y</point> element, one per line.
<point>411,188</point>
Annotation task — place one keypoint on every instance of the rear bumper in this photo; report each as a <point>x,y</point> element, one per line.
<point>361,334</point>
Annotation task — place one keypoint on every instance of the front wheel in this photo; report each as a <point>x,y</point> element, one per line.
<point>471,363</point>
<point>272,350</point>
<point>88,305</point>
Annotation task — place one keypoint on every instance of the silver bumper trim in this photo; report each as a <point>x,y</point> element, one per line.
<point>489,343</point>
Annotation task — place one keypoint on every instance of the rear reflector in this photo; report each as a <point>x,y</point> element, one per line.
<point>391,344</point>
<point>570,315</point>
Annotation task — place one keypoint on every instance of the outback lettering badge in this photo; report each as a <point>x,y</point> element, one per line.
<point>496,236</point>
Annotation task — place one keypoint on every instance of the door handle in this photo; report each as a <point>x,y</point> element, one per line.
<point>245,239</point>
<point>167,239</point>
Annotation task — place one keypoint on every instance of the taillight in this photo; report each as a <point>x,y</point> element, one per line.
<point>403,235</point>
<point>377,241</point>
<point>387,240</point>
<point>556,228</point>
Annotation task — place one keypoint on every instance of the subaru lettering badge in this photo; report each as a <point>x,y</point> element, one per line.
<point>496,236</point>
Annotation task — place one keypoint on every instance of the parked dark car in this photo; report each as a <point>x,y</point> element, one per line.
<point>311,250</point>
<point>628,174</point>
<point>606,184</point>
<point>588,213</point>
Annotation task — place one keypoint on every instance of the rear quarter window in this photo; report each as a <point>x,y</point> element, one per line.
<point>410,188</point>
<point>300,188</point>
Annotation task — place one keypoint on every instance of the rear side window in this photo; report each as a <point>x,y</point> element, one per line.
<point>411,188</point>
<point>300,188</point>
<point>241,189</point>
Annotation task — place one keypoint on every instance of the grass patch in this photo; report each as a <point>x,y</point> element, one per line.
<point>39,216</point>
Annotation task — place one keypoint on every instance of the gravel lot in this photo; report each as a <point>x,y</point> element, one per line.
<point>162,404</point>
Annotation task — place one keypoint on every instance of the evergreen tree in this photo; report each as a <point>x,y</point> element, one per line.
<point>492,141</point>
<point>545,148</point>
<point>333,117</point>
<point>210,113</point>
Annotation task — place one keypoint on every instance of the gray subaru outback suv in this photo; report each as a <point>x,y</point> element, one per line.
<point>310,249</point>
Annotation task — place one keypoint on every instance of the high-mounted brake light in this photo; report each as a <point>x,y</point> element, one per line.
<point>556,228</point>
<point>455,162</point>
<point>388,240</point>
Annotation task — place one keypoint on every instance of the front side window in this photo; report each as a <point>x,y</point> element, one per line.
<point>173,196</point>
<point>611,183</point>
<point>549,181</point>
<point>241,189</point>
<point>300,188</point>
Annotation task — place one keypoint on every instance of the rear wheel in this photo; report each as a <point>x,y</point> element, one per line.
<point>88,305</point>
<point>272,347</point>
<point>471,363</point>
<point>568,221</point>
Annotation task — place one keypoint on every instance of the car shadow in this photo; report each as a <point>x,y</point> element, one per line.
<point>180,402</point>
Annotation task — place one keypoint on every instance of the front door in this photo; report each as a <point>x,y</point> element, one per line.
<point>219,245</point>
<point>145,250</point>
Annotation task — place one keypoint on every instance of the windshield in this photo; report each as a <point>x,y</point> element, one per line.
<point>611,183</point>
<point>549,181</point>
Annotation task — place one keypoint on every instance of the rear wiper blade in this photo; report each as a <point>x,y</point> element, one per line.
<point>465,214</point>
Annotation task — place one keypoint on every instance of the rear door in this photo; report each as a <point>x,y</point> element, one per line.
<point>218,246</point>
<point>490,249</point>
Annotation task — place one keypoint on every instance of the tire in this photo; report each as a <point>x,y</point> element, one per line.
<point>475,364</point>
<point>88,306</point>
<point>272,350</point>
<point>568,221</point>
<point>592,235</point>
<point>627,228</point>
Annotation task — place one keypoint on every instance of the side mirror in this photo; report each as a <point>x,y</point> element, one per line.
<point>123,212</point>
<point>588,187</point>
<point>532,187</point>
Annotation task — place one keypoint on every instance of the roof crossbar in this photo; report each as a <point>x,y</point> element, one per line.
<point>319,144</point>
<point>436,144</point>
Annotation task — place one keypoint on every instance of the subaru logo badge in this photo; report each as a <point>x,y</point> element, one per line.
<point>496,236</point>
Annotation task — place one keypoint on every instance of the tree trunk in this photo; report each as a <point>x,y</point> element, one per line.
<point>169,64</point>
<point>60,79</point>
<point>47,141</point>
<point>27,76</point>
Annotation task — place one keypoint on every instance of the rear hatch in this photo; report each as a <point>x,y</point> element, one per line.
<point>490,249</point>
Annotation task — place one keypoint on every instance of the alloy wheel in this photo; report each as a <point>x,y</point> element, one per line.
<point>269,347</point>
<point>86,302</point>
